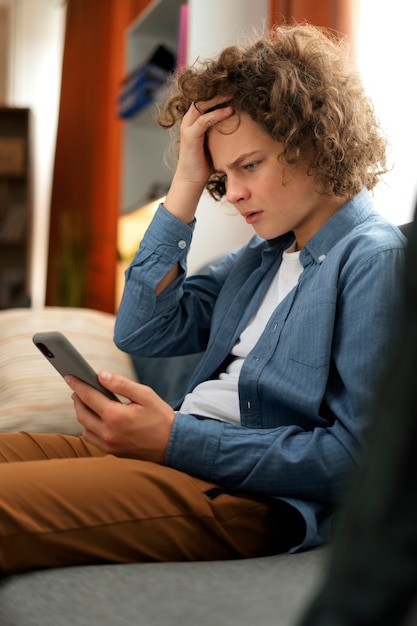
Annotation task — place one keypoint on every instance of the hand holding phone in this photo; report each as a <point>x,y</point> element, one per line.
<point>66,359</point>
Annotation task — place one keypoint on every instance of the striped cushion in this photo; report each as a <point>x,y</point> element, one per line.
<point>33,396</point>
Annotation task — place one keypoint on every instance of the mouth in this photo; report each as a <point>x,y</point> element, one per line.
<point>252,216</point>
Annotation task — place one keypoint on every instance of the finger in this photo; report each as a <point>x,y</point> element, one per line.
<point>207,114</point>
<point>90,422</point>
<point>216,107</point>
<point>132,390</point>
<point>91,438</point>
<point>85,415</point>
<point>94,430</point>
<point>90,397</point>
<point>218,102</point>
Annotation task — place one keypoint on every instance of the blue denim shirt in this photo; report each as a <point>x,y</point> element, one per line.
<point>306,387</point>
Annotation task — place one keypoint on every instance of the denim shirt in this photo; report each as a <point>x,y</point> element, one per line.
<point>306,388</point>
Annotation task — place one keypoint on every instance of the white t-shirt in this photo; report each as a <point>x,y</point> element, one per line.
<point>219,398</point>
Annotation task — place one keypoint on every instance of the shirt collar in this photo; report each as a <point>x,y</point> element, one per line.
<point>351,214</point>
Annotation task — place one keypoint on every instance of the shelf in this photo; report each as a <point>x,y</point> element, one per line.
<point>15,206</point>
<point>145,142</point>
<point>6,243</point>
<point>158,22</point>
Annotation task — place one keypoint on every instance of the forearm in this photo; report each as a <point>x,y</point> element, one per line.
<point>164,247</point>
<point>282,462</point>
<point>181,202</point>
<point>183,197</point>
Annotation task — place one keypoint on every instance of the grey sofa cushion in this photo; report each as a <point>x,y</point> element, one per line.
<point>269,591</point>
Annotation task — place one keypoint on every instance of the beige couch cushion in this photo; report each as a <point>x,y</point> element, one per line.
<point>33,396</point>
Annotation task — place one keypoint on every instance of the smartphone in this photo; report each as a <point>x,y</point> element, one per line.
<point>67,360</point>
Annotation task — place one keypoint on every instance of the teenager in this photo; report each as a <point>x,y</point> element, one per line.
<point>294,327</point>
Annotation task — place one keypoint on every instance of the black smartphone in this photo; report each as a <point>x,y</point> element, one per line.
<point>67,360</point>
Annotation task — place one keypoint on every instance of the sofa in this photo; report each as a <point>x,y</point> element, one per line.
<point>267,591</point>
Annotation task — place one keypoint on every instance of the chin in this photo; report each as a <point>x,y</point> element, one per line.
<point>271,234</point>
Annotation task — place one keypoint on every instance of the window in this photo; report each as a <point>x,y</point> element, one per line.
<point>387,49</point>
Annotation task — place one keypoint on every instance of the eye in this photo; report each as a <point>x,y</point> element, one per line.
<point>252,166</point>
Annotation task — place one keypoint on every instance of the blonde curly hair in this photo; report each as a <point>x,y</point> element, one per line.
<point>297,82</point>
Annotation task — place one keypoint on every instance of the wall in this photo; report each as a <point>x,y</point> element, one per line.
<point>4,51</point>
<point>34,77</point>
<point>386,53</point>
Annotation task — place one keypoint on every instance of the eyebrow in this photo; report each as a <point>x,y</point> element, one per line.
<point>240,159</point>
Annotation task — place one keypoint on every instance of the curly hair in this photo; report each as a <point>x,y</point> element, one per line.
<point>298,84</point>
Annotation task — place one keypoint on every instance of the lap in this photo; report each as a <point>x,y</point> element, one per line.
<point>71,504</point>
<point>25,446</point>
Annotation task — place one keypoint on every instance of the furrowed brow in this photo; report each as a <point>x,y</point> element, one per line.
<point>238,162</point>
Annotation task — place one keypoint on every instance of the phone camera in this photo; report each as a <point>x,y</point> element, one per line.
<point>46,351</point>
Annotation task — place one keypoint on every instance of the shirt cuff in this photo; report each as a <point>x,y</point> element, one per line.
<point>193,444</point>
<point>166,236</point>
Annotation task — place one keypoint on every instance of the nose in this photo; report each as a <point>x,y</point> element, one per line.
<point>236,191</point>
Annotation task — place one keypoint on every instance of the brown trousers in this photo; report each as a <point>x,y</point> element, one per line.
<point>63,502</point>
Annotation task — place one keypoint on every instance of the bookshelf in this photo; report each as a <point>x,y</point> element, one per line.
<point>143,168</point>
<point>15,206</point>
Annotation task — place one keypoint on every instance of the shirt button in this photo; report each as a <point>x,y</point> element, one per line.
<point>182,244</point>
<point>322,257</point>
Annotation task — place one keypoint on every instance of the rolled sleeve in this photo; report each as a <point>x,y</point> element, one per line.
<point>166,242</point>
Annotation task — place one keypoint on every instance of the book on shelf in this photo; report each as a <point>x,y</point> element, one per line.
<point>13,288</point>
<point>140,88</point>
<point>13,223</point>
